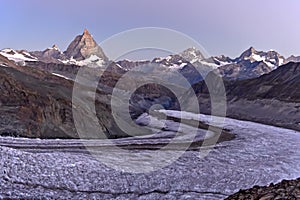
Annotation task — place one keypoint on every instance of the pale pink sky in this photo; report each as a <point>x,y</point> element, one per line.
<point>222,27</point>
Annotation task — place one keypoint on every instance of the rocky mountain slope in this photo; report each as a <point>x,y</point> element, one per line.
<point>273,98</point>
<point>36,103</point>
<point>281,84</point>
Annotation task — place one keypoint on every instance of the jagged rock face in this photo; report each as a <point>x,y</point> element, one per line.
<point>220,60</point>
<point>84,46</point>
<point>50,55</point>
<point>247,53</point>
<point>271,58</point>
<point>192,54</point>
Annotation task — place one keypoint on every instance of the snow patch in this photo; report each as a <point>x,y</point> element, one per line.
<point>212,65</point>
<point>281,61</point>
<point>222,63</point>
<point>258,57</point>
<point>92,61</point>
<point>62,76</point>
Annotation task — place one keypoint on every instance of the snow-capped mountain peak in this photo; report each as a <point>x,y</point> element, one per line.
<point>192,55</point>
<point>271,58</point>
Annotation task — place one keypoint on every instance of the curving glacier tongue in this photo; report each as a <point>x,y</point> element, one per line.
<point>258,155</point>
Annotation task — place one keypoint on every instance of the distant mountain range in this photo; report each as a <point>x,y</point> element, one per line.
<point>84,51</point>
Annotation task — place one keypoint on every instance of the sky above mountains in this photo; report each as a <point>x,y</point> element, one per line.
<point>221,27</point>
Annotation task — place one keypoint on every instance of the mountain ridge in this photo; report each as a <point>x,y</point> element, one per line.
<point>84,51</point>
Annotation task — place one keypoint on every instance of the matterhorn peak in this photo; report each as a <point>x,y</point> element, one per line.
<point>86,32</point>
<point>83,47</point>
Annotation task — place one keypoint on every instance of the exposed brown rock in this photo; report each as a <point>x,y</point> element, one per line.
<point>283,190</point>
<point>83,46</point>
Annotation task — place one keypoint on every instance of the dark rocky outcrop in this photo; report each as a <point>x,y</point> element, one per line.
<point>286,189</point>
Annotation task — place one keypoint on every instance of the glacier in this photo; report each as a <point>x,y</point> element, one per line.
<point>64,169</point>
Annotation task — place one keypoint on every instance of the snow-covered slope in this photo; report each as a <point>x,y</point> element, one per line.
<point>17,56</point>
<point>50,55</point>
<point>92,61</point>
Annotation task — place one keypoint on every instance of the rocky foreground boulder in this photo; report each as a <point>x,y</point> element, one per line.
<point>287,189</point>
